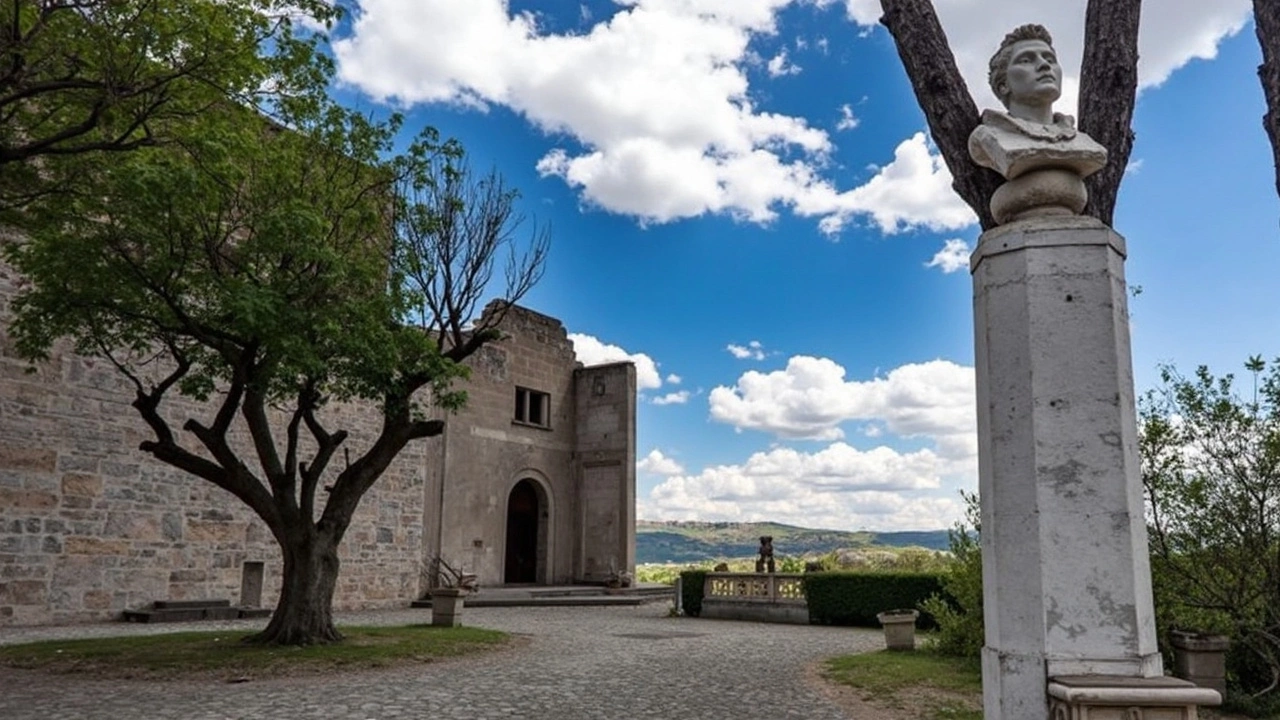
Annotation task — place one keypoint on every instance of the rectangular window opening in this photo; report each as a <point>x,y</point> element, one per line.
<point>533,407</point>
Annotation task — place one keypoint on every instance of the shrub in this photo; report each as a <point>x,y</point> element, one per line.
<point>845,598</point>
<point>958,609</point>
<point>691,596</point>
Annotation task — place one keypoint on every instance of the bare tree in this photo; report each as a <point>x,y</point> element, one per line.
<point>453,226</point>
<point>252,273</point>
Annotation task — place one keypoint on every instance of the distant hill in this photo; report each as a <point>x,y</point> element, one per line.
<point>682,542</point>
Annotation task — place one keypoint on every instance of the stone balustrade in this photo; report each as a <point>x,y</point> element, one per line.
<point>762,597</point>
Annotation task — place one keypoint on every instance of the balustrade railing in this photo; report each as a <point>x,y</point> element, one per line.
<point>775,588</point>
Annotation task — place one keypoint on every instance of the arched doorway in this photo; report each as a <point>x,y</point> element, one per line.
<point>524,520</point>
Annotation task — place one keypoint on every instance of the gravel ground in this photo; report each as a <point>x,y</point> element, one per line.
<point>594,662</point>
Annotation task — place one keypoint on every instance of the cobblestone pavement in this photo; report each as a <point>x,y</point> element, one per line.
<point>608,662</point>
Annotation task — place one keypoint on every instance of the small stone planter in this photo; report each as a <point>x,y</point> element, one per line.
<point>1201,658</point>
<point>899,628</point>
<point>446,606</point>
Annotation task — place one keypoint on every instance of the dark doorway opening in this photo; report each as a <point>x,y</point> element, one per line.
<point>522,534</point>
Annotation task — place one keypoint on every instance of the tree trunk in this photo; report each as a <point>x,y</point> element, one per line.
<point>1108,90</point>
<point>943,96</point>
<point>304,614</point>
<point>1266,19</point>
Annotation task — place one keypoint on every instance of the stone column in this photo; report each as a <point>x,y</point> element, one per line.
<point>1067,584</point>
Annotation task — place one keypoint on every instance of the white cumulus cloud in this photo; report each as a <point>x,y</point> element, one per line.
<point>848,120</point>
<point>656,463</point>
<point>753,350</point>
<point>1173,32</point>
<point>591,351</point>
<point>780,65</point>
<point>837,487</point>
<point>811,398</point>
<point>608,90</point>
<point>679,397</point>
<point>953,257</point>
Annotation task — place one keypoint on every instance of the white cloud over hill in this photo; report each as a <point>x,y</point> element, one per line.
<point>838,486</point>
<point>811,399</point>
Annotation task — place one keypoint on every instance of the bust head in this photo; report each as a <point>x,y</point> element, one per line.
<point>1025,75</point>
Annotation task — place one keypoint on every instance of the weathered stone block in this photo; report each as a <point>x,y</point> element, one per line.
<point>27,499</point>
<point>79,545</point>
<point>96,600</point>
<point>199,531</point>
<point>81,484</point>
<point>24,592</point>
<point>31,459</point>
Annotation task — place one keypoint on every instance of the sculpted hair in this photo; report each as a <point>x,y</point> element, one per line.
<point>1000,61</point>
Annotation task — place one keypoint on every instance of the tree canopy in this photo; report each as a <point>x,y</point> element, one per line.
<point>82,76</point>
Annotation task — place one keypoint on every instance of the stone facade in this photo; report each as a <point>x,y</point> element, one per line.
<point>91,526</point>
<point>577,456</point>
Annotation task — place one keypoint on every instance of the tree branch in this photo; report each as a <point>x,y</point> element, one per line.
<point>1266,19</point>
<point>944,97</point>
<point>1108,89</point>
<point>327,445</point>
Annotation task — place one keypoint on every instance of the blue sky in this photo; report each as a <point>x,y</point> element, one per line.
<point>744,200</point>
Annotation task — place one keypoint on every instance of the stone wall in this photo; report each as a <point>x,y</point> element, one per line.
<point>487,451</point>
<point>90,525</point>
<point>606,462</point>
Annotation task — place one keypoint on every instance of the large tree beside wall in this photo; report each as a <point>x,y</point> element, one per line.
<point>270,273</point>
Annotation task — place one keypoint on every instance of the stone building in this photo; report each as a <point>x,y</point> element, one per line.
<point>532,482</point>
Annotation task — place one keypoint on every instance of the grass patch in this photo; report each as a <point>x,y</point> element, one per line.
<point>223,655</point>
<point>926,685</point>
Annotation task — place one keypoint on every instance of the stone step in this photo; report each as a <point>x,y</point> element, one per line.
<point>189,604</point>
<point>193,614</point>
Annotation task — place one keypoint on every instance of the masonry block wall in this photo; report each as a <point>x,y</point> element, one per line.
<point>606,466</point>
<point>90,525</point>
<point>489,449</point>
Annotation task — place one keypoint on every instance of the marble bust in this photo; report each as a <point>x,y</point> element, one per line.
<point>1038,151</point>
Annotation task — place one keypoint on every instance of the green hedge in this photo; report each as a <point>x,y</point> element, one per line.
<point>854,598</point>
<point>691,596</point>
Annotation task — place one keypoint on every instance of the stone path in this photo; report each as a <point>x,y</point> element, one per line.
<point>578,663</point>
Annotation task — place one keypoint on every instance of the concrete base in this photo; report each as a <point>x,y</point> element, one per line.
<point>1093,697</point>
<point>755,611</point>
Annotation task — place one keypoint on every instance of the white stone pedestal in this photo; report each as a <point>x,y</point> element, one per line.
<point>1065,569</point>
<point>1110,698</point>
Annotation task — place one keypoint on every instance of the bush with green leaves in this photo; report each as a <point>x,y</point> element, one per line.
<point>1211,473</point>
<point>958,608</point>
<point>691,594</point>
<point>845,598</point>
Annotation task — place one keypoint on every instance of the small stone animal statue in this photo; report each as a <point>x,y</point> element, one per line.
<point>766,554</point>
